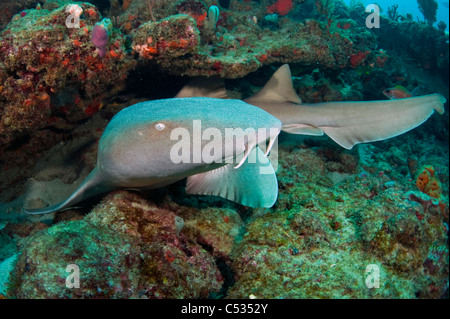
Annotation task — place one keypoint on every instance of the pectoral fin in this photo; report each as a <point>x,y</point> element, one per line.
<point>253,184</point>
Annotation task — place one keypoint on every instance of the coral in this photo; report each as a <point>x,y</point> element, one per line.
<point>428,9</point>
<point>442,26</point>
<point>212,18</point>
<point>165,40</point>
<point>282,7</point>
<point>428,183</point>
<point>381,58</point>
<point>431,205</point>
<point>315,88</point>
<point>240,44</point>
<point>214,228</point>
<point>39,63</point>
<point>315,243</point>
<point>100,36</point>
<point>408,37</point>
<point>126,4</point>
<point>125,248</point>
<point>358,58</point>
<point>324,7</point>
<point>318,239</point>
<point>392,13</point>
<point>337,210</point>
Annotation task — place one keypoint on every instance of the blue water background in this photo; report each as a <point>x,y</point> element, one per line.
<point>409,6</point>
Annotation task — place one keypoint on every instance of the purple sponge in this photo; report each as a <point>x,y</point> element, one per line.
<point>100,39</point>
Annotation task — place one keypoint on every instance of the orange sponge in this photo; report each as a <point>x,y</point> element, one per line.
<point>427,183</point>
<point>433,188</point>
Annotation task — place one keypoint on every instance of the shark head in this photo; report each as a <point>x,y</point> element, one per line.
<point>155,142</point>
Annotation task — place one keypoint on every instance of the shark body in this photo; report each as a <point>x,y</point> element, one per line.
<point>135,148</point>
<point>142,146</point>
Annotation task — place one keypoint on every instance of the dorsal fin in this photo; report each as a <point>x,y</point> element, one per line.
<point>279,88</point>
<point>204,87</point>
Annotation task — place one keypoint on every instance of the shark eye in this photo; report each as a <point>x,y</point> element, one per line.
<point>160,126</point>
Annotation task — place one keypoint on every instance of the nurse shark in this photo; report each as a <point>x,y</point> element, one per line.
<point>138,147</point>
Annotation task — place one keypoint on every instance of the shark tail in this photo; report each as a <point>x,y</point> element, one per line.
<point>204,87</point>
<point>378,120</point>
<point>91,186</point>
<point>347,123</point>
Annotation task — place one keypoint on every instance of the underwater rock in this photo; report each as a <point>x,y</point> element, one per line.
<point>40,55</point>
<point>11,7</point>
<point>106,260</point>
<point>167,39</point>
<point>215,228</point>
<point>319,239</point>
<point>240,44</point>
<point>410,37</point>
<point>6,266</point>
<point>126,247</point>
<point>39,64</point>
<point>337,212</point>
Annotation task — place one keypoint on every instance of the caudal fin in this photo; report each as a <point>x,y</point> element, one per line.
<point>203,87</point>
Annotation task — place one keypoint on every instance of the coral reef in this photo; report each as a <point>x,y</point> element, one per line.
<point>427,183</point>
<point>408,36</point>
<point>338,211</point>
<point>42,66</point>
<point>125,248</point>
<point>239,51</point>
<point>163,41</point>
<point>174,37</point>
<point>38,66</point>
<point>428,9</point>
<point>431,186</point>
<point>322,237</point>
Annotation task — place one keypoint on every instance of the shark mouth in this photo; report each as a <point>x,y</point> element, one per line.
<point>273,134</point>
